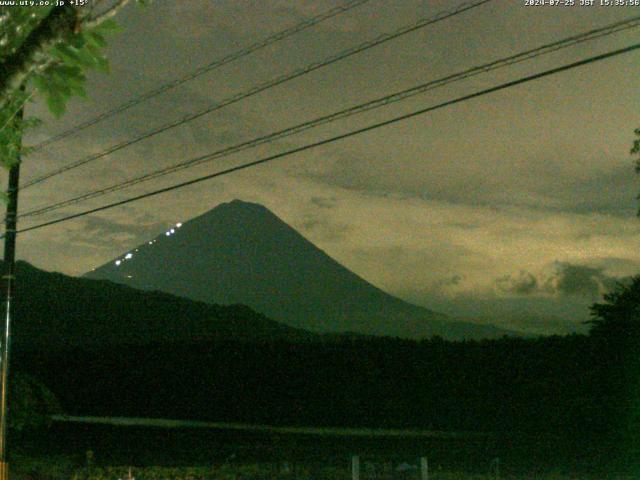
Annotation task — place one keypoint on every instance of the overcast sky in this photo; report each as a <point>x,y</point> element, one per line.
<point>518,206</point>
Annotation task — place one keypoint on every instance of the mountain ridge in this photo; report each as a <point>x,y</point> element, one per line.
<point>56,311</point>
<point>240,252</point>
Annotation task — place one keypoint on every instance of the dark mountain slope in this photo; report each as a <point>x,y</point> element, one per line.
<point>55,311</point>
<point>240,252</point>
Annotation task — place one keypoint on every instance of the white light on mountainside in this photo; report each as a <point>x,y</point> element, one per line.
<point>118,262</point>
<point>128,256</point>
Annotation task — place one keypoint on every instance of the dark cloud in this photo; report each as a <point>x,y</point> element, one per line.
<point>324,202</point>
<point>591,282</point>
<point>522,284</point>
<point>107,233</point>
<point>627,265</point>
<point>612,193</point>
<point>323,228</point>
<point>455,280</point>
<point>578,280</point>
<point>545,179</point>
<point>442,286</point>
<point>449,281</point>
<point>568,280</point>
<point>611,283</point>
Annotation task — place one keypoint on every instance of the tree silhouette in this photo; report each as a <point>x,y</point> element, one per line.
<point>635,150</point>
<point>616,329</point>
<point>32,403</point>
<point>618,317</point>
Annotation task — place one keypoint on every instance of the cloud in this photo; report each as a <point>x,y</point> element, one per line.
<point>567,280</point>
<point>108,233</point>
<point>323,228</point>
<point>522,284</point>
<point>617,266</point>
<point>586,281</point>
<point>539,180</point>
<point>448,286</point>
<point>578,280</point>
<point>479,199</point>
<point>324,202</point>
<point>454,280</point>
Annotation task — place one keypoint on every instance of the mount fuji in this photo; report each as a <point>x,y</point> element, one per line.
<point>242,253</point>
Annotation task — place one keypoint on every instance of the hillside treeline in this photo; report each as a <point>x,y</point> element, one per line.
<point>576,392</point>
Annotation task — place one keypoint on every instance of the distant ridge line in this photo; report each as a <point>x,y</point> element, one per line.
<point>331,431</point>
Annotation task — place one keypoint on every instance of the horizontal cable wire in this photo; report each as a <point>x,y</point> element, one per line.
<point>336,138</point>
<point>278,36</point>
<point>262,87</point>
<point>373,104</point>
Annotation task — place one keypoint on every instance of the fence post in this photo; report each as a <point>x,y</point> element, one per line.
<point>424,468</point>
<point>355,467</point>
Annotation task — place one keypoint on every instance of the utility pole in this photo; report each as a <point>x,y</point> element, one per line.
<point>9,272</point>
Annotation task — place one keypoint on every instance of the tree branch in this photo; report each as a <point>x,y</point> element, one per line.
<point>107,14</point>
<point>18,108</point>
<point>60,22</point>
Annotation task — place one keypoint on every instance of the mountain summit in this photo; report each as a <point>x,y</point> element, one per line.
<point>241,252</point>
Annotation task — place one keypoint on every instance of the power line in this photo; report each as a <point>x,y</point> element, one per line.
<point>424,22</point>
<point>373,104</point>
<point>343,136</point>
<point>276,37</point>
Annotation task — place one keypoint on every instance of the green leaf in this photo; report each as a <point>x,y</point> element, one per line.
<point>95,38</point>
<point>68,72</point>
<point>66,54</point>
<point>65,77</point>
<point>88,56</point>
<point>79,90</point>
<point>62,89</point>
<point>12,160</point>
<point>103,64</point>
<point>42,83</point>
<point>78,40</point>
<point>76,84</point>
<point>109,26</point>
<point>30,122</point>
<point>56,103</point>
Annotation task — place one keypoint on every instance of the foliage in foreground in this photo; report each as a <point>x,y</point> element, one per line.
<point>46,51</point>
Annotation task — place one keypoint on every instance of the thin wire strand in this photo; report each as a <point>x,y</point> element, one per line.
<point>278,36</point>
<point>422,23</point>
<point>343,136</point>
<point>373,104</point>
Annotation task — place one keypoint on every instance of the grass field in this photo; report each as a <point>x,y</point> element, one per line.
<point>174,452</point>
<point>268,472</point>
<point>271,471</point>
